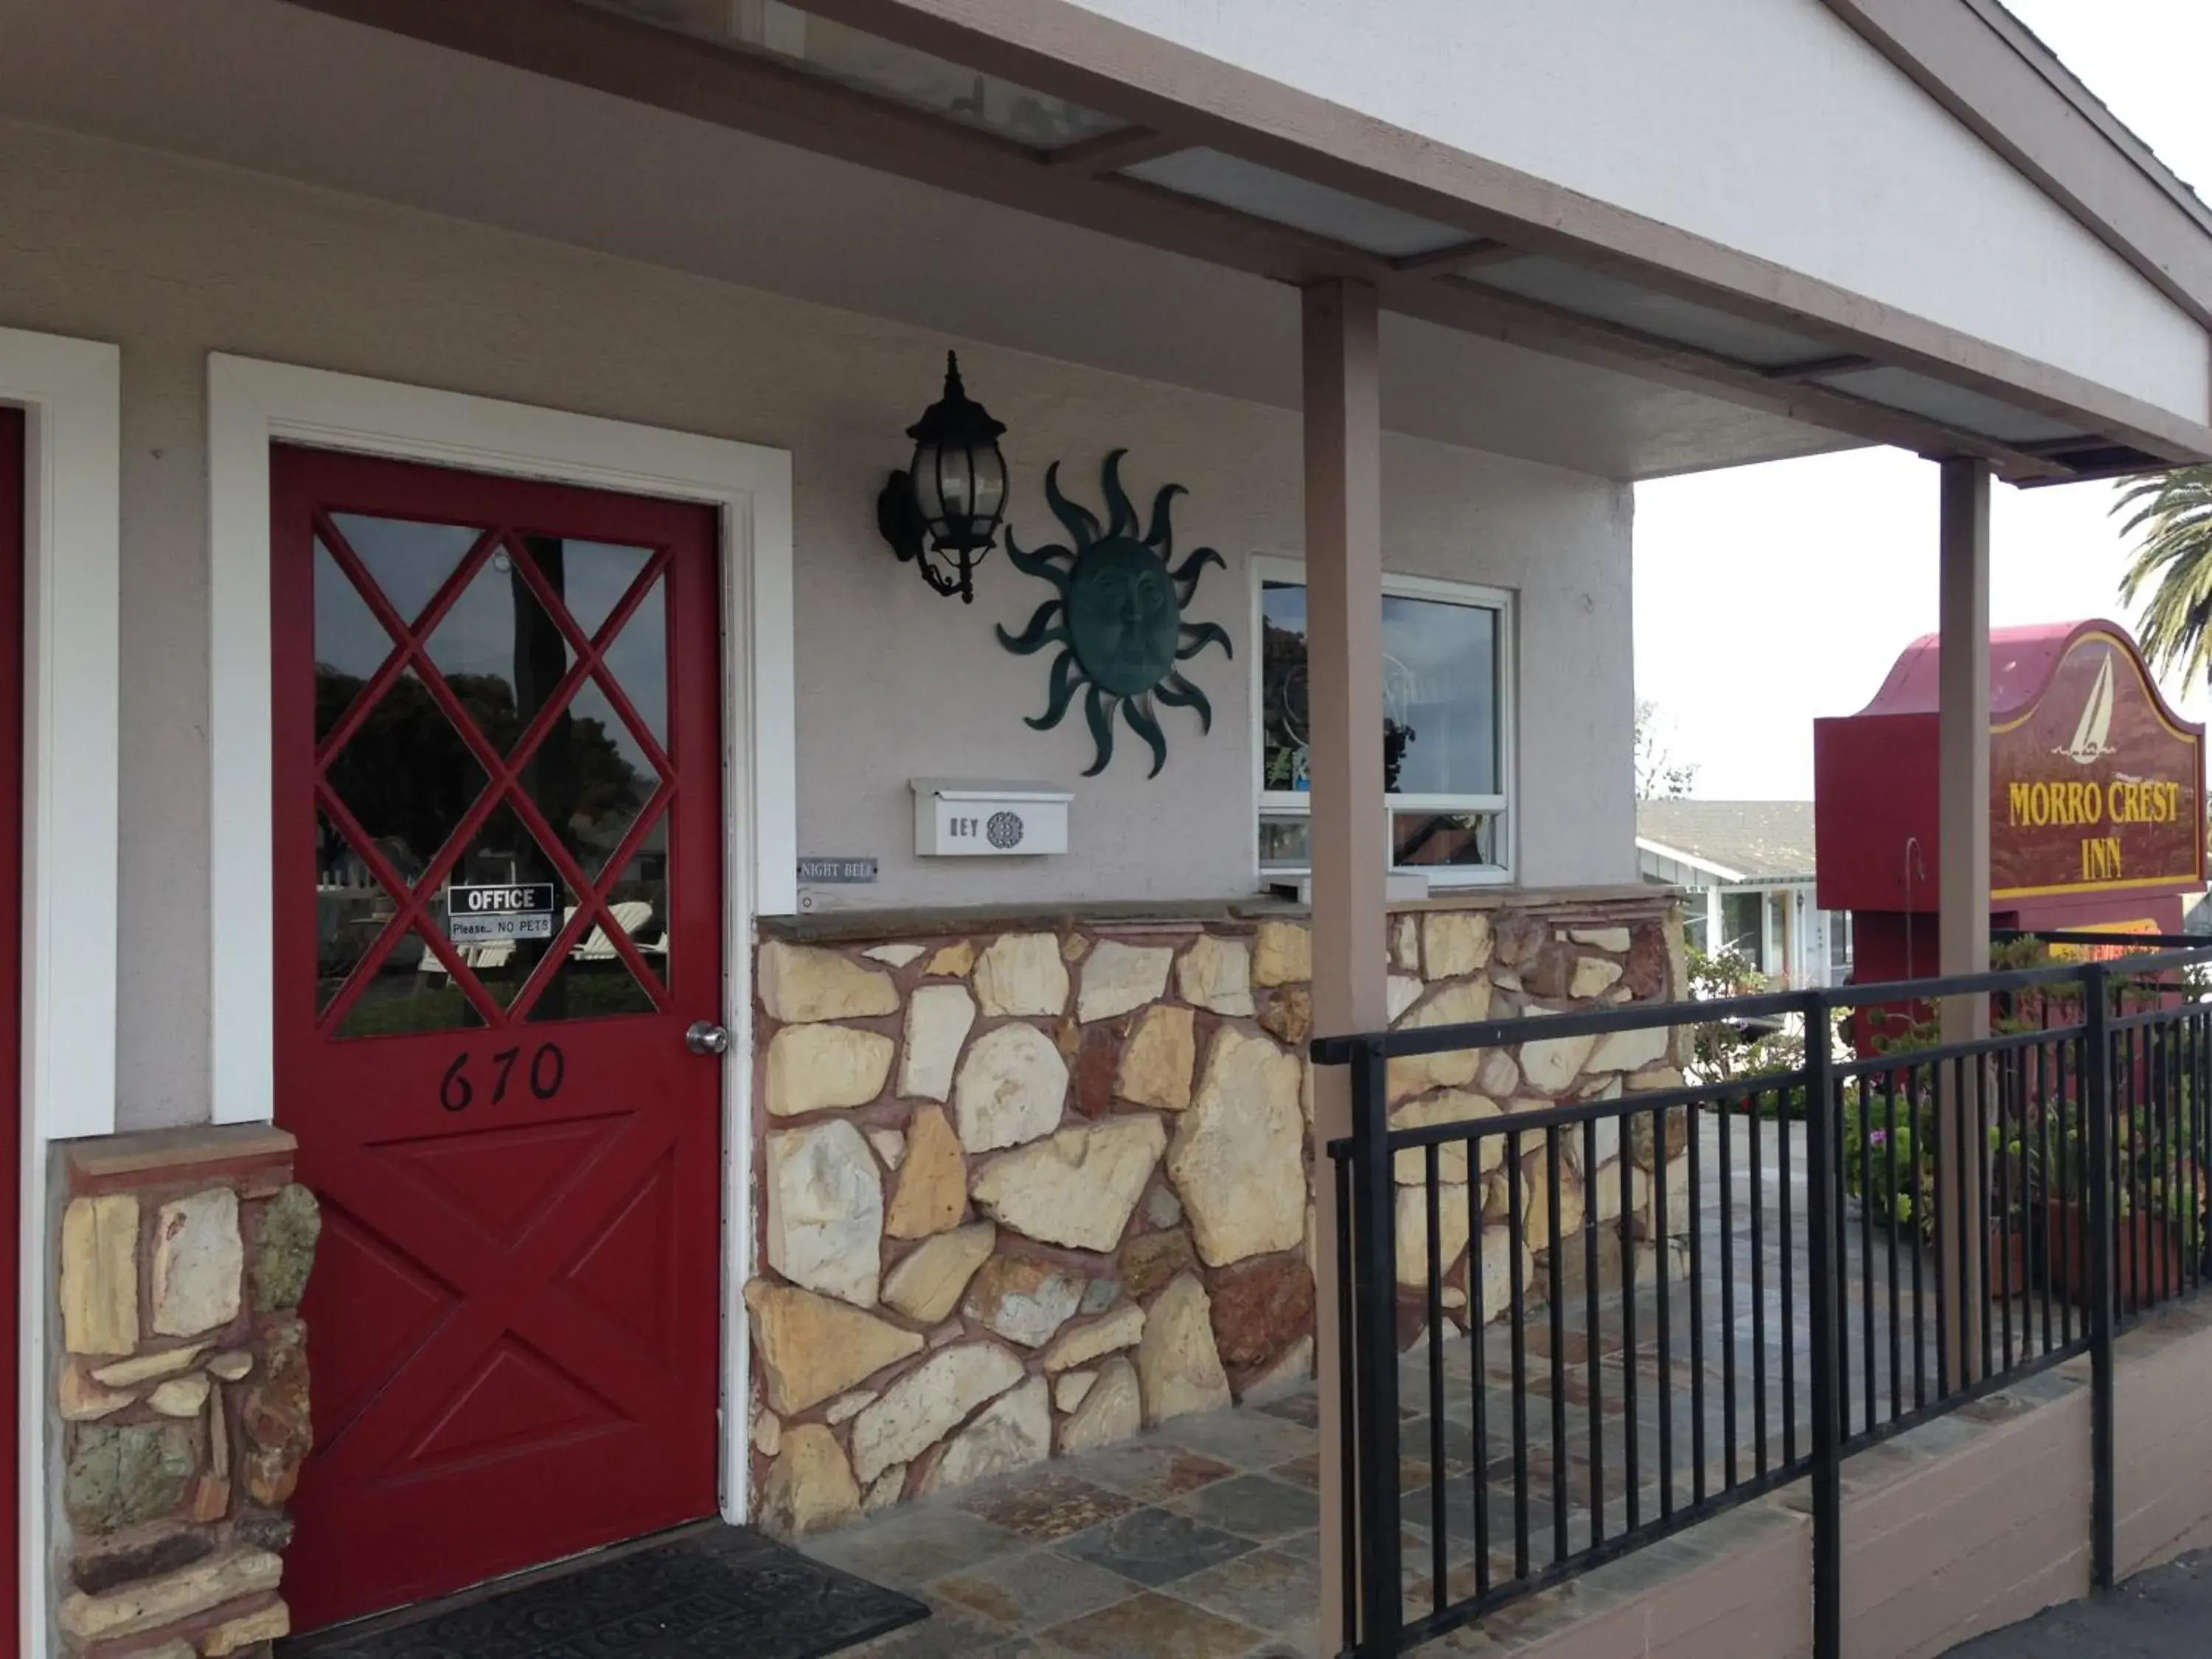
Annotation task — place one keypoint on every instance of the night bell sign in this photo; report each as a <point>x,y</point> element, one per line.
<point>986,817</point>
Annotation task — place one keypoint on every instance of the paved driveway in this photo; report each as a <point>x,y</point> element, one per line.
<point>2163,1613</point>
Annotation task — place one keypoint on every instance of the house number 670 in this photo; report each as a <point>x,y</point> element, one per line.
<point>548,1068</point>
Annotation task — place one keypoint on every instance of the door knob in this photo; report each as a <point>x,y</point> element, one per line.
<point>705,1037</point>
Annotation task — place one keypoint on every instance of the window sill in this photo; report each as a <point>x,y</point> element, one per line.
<point>1502,896</point>
<point>1461,879</point>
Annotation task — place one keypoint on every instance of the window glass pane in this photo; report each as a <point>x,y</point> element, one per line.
<point>1439,694</point>
<point>1743,919</point>
<point>591,577</point>
<point>408,562</point>
<point>594,982</point>
<point>410,992</point>
<point>350,644</point>
<point>407,776</point>
<point>1282,686</point>
<point>1440,697</point>
<point>593,777</point>
<point>596,979</point>
<point>1285,842</point>
<point>500,651</point>
<point>1694,923</point>
<point>1839,940</point>
<point>638,660</point>
<point>351,909</point>
<point>1455,840</point>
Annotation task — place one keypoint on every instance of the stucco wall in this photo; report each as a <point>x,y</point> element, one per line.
<point>1810,149</point>
<point>172,259</point>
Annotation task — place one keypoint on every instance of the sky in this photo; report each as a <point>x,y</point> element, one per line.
<point>1768,596</point>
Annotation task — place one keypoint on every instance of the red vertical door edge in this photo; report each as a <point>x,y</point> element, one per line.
<point>12,503</point>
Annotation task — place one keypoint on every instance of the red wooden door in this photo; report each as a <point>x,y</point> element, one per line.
<point>498,894</point>
<point>11,969</point>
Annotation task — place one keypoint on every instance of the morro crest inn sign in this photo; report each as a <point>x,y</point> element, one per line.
<point>2096,789</point>
<point>2095,786</point>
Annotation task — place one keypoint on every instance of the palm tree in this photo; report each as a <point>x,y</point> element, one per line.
<point>2174,564</point>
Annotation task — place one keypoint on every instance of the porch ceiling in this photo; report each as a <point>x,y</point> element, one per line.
<point>276,88</point>
<point>923,89</point>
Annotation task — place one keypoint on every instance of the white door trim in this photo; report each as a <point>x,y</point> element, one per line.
<point>252,403</point>
<point>70,393</point>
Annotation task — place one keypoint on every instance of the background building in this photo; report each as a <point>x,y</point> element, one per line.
<point>1746,868</point>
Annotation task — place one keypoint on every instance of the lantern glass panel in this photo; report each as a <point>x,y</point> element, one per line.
<point>955,483</point>
<point>940,485</point>
<point>960,492</point>
<point>990,483</point>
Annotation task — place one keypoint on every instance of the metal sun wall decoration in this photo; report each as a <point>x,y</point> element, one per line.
<point>1118,617</point>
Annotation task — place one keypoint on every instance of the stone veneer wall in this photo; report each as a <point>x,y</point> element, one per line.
<point>181,1388</point>
<point>1027,1192</point>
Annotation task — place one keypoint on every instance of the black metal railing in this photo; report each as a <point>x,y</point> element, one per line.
<point>1572,1327</point>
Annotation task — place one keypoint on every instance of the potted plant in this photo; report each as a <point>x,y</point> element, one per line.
<point>2159,1196</point>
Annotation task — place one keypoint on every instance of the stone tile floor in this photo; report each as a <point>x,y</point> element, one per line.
<point>1198,1540</point>
<point>1194,1541</point>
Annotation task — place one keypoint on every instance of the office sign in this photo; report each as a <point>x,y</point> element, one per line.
<point>492,914</point>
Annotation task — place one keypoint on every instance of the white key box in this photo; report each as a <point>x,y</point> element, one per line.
<point>987,818</point>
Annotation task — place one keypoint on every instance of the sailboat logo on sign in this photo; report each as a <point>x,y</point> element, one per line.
<point>2093,735</point>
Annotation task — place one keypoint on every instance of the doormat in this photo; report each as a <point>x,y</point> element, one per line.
<point>711,1593</point>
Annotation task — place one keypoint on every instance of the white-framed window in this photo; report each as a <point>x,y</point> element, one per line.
<point>1448,712</point>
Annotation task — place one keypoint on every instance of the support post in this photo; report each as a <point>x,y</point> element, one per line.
<point>1824,1240</point>
<point>1344,680</point>
<point>1963,885</point>
<point>2100,1179</point>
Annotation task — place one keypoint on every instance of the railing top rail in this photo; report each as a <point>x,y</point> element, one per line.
<point>1903,1060</point>
<point>1502,1033</point>
<point>1538,1119</point>
<point>2147,1016</point>
<point>1407,1042</point>
<point>2008,979</point>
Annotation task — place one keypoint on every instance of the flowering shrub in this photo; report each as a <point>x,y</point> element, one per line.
<point>1889,1153</point>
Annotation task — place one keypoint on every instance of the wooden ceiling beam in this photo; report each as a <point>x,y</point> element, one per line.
<point>1820,368</point>
<point>1109,152</point>
<point>1461,257</point>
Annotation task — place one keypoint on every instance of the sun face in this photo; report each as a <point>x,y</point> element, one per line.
<point>1117,617</point>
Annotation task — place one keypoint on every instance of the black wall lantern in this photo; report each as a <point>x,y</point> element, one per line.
<point>942,512</point>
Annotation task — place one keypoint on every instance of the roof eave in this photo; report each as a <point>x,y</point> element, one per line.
<point>1694,861</point>
<point>2013,93</point>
